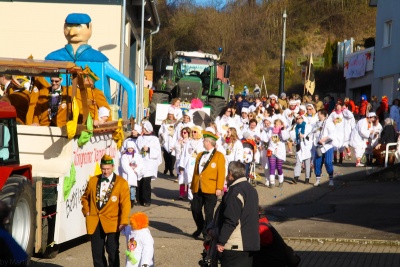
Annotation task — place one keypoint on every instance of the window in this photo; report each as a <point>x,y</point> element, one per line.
<point>387,33</point>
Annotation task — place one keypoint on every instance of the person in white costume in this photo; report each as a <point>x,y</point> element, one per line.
<point>374,137</point>
<point>277,154</point>
<point>224,121</point>
<point>304,144</point>
<point>188,157</point>
<point>132,167</point>
<point>350,123</point>
<point>187,121</point>
<point>186,135</point>
<point>360,135</point>
<point>311,116</point>
<point>139,242</point>
<point>324,142</point>
<point>166,135</point>
<point>176,105</point>
<point>263,147</point>
<point>340,124</point>
<point>150,149</point>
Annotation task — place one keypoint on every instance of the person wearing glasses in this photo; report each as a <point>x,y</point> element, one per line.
<point>311,116</point>
<point>185,137</point>
<point>186,122</point>
<point>224,121</point>
<point>188,158</point>
<point>207,184</point>
<point>51,106</point>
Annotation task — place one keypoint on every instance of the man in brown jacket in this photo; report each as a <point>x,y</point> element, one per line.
<point>208,183</point>
<point>106,206</point>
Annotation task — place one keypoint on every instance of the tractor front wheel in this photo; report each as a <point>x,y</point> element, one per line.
<point>18,193</point>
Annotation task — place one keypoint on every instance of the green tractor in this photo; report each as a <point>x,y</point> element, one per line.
<point>194,75</point>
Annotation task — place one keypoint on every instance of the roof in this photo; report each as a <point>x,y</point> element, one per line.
<point>197,54</point>
<point>16,66</point>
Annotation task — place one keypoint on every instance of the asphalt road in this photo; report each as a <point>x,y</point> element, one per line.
<point>356,223</point>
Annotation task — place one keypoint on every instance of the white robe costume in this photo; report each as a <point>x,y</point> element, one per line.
<point>132,168</point>
<point>359,136</point>
<point>151,159</point>
<point>166,135</point>
<point>340,126</point>
<point>142,244</point>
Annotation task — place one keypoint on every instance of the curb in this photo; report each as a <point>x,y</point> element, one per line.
<point>395,243</point>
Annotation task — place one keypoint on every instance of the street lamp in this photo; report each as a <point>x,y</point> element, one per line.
<point>282,73</point>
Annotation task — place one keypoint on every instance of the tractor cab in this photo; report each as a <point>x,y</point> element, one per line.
<point>8,135</point>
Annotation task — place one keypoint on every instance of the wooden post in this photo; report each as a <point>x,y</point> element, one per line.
<point>38,236</point>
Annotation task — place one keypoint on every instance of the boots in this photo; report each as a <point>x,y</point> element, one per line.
<point>281,180</point>
<point>307,181</point>
<point>295,179</point>
<point>271,180</point>
<point>266,175</point>
<point>181,191</point>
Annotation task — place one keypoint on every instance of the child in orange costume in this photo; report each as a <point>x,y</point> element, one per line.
<point>140,243</point>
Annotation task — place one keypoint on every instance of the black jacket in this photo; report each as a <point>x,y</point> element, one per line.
<point>238,218</point>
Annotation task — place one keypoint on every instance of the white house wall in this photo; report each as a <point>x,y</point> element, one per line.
<point>37,29</point>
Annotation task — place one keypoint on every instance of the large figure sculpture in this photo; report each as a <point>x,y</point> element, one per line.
<point>77,31</point>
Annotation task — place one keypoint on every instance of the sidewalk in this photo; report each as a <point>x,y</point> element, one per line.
<point>359,208</point>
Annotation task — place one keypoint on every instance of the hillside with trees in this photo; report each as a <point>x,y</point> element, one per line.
<point>250,33</point>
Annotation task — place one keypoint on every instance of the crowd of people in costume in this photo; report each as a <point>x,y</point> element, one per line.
<point>264,131</point>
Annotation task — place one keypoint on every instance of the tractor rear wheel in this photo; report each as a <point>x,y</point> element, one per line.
<point>216,104</point>
<point>18,193</point>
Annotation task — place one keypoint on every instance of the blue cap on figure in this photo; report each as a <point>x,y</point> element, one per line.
<point>77,18</point>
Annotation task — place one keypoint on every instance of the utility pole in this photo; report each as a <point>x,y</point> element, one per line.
<point>282,73</point>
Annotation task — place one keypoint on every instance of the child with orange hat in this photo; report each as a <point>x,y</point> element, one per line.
<point>140,243</point>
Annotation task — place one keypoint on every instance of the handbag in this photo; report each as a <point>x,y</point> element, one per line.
<point>269,153</point>
<point>318,150</point>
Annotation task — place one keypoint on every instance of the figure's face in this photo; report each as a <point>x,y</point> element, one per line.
<point>267,123</point>
<point>77,33</point>
<point>253,125</point>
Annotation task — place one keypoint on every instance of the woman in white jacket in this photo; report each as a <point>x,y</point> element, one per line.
<point>132,168</point>
<point>185,137</point>
<point>189,154</point>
